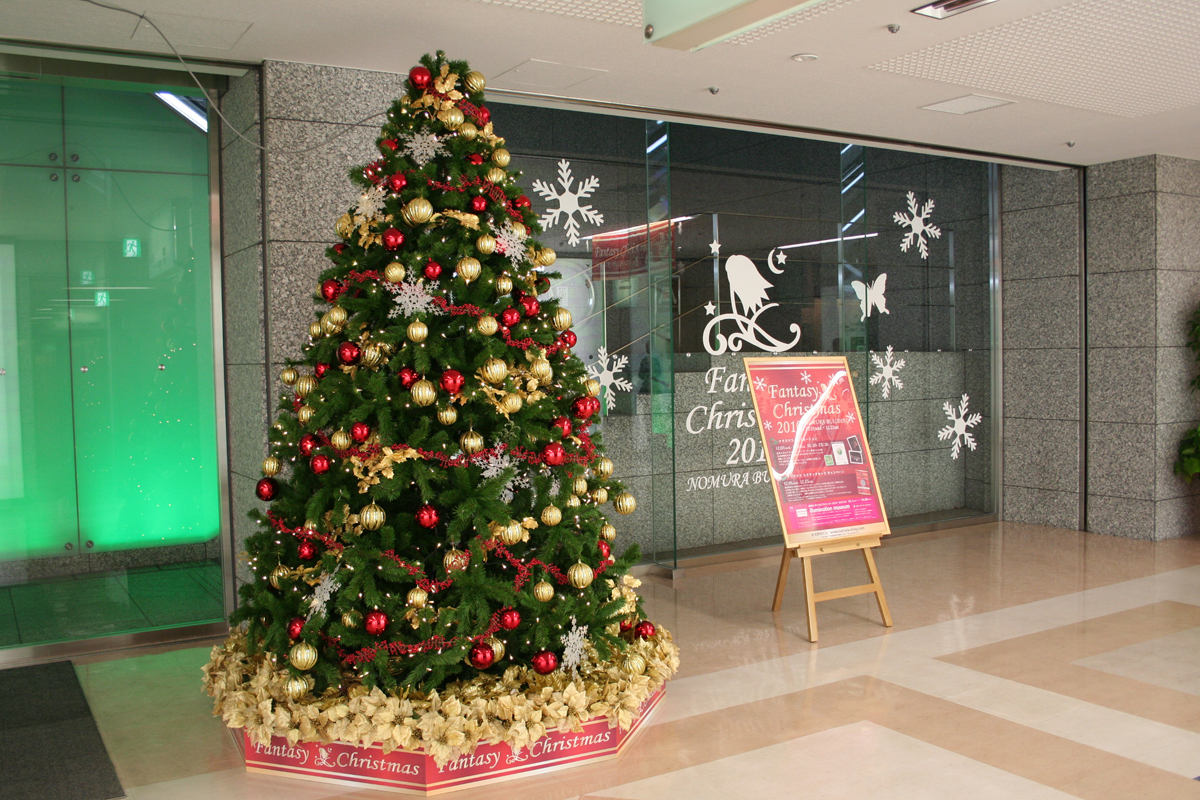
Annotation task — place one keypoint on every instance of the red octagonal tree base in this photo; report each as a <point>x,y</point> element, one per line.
<point>416,773</point>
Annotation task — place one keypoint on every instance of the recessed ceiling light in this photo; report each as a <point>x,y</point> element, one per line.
<point>967,104</point>
<point>804,57</point>
<point>948,8</point>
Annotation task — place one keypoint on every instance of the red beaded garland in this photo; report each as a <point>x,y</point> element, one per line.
<point>427,516</point>
<point>360,432</point>
<point>545,662</point>
<point>392,239</point>
<point>265,489</point>
<point>320,464</point>
<point>375,622</point>
<point>348,352</point>
<point>452,381</point>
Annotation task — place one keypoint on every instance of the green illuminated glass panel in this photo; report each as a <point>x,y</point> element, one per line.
<point>31,121</point>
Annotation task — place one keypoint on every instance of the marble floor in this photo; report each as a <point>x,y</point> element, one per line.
<point>1025,662</point>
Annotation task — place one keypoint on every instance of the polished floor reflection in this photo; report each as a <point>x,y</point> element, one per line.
<point>1025,662</point>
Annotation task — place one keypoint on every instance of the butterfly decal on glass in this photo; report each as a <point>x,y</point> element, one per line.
<point>871,296</point>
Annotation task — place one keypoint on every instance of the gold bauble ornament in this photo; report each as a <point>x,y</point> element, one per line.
<point>453,117</point>
<point>417,210</point>
<point>600,496</point>
<point>562,319</point>
<point>417,597</point>
<point>305,414</point>
<point>471,442</point>
<point>487,325</point>
<point>341,440</point>
<point>579,486</point>
<point>424,393</point>
<point>496,645</point>
<point>456,559</point>
<point>494,370</point>
<point>372,355</point>
<point>337,315</point>
<point>305,385</point>
<point>625,503</point>
<point>511,403</point>
<point>351,619</point>
<point>511,534</point>
<point>448,415</point>
<point>417,331</point>
<point>475,82</point>
<point>296,687</point>
<point>468,131</point>
<point>540,368</point>
<point>486,244</point>
<point>580,575</point>
<point>468,268</point>
<point>496,175</point>
<point>500,157</point>
<point>303,656</point>
<point>573,501</point>
<point>315,331</point>
<point>372,517</point>
<point>394,272</point>
<point>602,468</point>
<point>503,285</point>
<point>551,516</point>
<point>547,256</point>
<point>592,387</point>
<point>328,328</point>
<point>608,532</point>
<point>543,591</point>
<point>288,376</point>
<point>271,466</point>
<point>278,576</point>
<point>634,664</point>
<point>344,226</point>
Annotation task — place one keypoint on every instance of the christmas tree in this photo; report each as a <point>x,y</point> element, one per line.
<point>435,529</point>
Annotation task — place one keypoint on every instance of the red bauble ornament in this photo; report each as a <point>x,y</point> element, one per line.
<point>339,248</point>
<point>554,454</point>
<point>626,625</point>
<point>397,182</point>
<point>390,144</point>
<point>265,489</point>
<point>308,443</point>
<point>564,426</point>
<point>330,290</point>
<point>320,464</point>
<point>479,204</point>
<point>408,376</point>
<point>427,516</point>
<point>348,352</point>
<point>530,305</point>
<point>481,656</point>
<point>644,630</point>
<point>510,316</point>
<point>375,622</point>
<point>581,408</point>
<point>484,116</point>
<point>605,550</point>
<point>545,662</point>
<point>392,239</point>
<point>521,202</point>
<point>306,550</point>
<point>321,369</point>
<point>432,270</point>
<point>419,77</point>
<point>295,627</point>
<point>360,432</point>
<point>509,619</point>
<point>452,381</point>
<point>568,338</point>
<point>475,158</point>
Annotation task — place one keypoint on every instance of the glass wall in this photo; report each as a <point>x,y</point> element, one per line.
<point>687,248</point>
<point>109,486</point>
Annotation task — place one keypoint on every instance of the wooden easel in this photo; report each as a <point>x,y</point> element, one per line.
<point>806,552</point>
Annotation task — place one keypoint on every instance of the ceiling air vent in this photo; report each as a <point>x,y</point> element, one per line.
<point>967,104</point>
<point>948,8</point>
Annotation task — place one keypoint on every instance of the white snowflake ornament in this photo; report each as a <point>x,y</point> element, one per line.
<point>370,202</point>
<point>919,227</point>
<point>887,374</point>
<point>421,148</point>
<point>510,240</point>
<point>411,297</point>
<point>608,374</point>
<point>960,423</point>
<point>574,642</point>
<point>324,591</point>
<point>568,202</point>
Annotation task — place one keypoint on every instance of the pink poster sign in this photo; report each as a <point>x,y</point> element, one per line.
<point>817,454</point>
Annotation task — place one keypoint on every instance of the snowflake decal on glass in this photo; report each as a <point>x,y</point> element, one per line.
<point>370,202</point>
<point>917,222</point>
<point>959,427</point>
<point>421,148</point>
<point>411,298</point>
<point>607,370</point>
<point>324,591</point>
<point>568,202</point>
<point>574,643</point>
<point>510,241</point>
<point>887,374</point>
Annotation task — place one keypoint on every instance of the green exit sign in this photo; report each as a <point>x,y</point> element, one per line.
<point>133,248</point>
<point>101,299</point>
